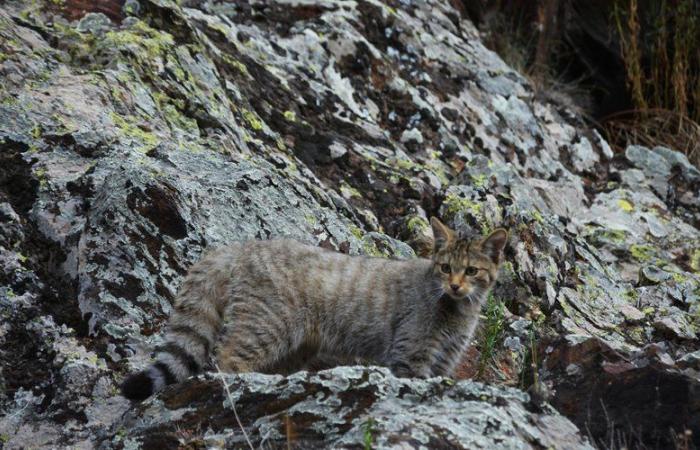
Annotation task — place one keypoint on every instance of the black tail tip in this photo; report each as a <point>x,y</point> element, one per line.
<point>137,386</point>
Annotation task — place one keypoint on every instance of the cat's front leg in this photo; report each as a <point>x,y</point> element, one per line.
<point>410,368</point>
<point>448,355</point>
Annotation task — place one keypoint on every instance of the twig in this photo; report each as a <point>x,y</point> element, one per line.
<point>233,406</point>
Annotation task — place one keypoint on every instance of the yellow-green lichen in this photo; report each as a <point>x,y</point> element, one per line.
<point>129,129</point>
<point>356,231</point>
<point>617,236</point>
<point>537,216</point>
<point>695,260</point>
<point>140,35</point>
<point>641,253</point>
<point>417,224</point>
<point>236,64</point>
<point>292,167</point>
<point>479,181</point>
<point>406,164</point>
<point>679,278</point>
<point>348,191</point>
<point>435,167</point>
<point>41,176</point>
<point>170,109</point>
<point>253,120</point>
<point>625,205</point>
<point>221,28</point>
<point>507,267</point>
<point>290,116</point>
<point>370,248</point>
<point>631,295</point>
<point>456,204</point>
<point>129,9</point>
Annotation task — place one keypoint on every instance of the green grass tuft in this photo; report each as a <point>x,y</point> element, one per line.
<point>492,332</point>
<point>368,435</point>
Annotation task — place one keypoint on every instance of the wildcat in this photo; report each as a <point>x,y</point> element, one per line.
<point>255,305</point>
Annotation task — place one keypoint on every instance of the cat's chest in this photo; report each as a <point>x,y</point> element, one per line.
<point>455,321</point>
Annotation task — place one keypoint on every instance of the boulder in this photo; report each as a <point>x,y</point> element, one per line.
<point>134,135</point>
<point>345,407</point>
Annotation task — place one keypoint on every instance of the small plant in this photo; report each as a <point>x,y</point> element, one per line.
<point>529,374</point>
<point>492,332</point>
<point>368,436</point>
<point>289,431</point>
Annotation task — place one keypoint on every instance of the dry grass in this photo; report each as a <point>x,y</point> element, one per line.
<point>631,52</point>
<point>233,406</point>
<point>661,54</point>
<point>662,64</point>
<point>654,127</point>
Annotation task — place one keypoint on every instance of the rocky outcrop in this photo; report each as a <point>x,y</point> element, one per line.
<point>131,141</point>
<point>345,407</point>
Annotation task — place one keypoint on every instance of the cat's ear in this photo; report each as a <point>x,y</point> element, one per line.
<point>494,243</point>
<point>441,233</point>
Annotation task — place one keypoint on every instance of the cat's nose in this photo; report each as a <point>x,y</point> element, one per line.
<point>454,287</point>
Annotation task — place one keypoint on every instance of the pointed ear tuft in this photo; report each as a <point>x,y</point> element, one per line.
<point>441,233</point>
<point>494,243</point>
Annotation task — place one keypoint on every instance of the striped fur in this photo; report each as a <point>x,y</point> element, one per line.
<point>278,306</point>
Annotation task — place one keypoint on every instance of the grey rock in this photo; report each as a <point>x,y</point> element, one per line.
<point>655,166</point>
<point>690,360</point>
<point>95,23</point>
<point>393,412</point>
<point>412,135</point>
<point>124,155</point>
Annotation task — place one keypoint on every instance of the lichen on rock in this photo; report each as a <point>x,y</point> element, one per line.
<point>134,138</point>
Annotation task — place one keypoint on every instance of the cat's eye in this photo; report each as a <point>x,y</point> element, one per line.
<point>471,271</point>
<point>445,268</point>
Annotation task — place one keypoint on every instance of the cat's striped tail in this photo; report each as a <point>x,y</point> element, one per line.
<point>185,353</point>
<point>193,328</point>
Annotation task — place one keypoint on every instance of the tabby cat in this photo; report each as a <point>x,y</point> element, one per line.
<point>255,305</point>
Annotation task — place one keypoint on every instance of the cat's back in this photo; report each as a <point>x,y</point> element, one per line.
<point>280,252</point>
<point>291,256</point>
<point>307,271</point>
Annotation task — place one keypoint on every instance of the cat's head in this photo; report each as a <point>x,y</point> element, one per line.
<point>467,268</point>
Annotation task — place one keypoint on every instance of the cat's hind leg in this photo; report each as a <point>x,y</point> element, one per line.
<point>255,339</point>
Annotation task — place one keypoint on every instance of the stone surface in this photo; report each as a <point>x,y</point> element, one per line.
<point>345,407</point>
<point>134,137</point>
